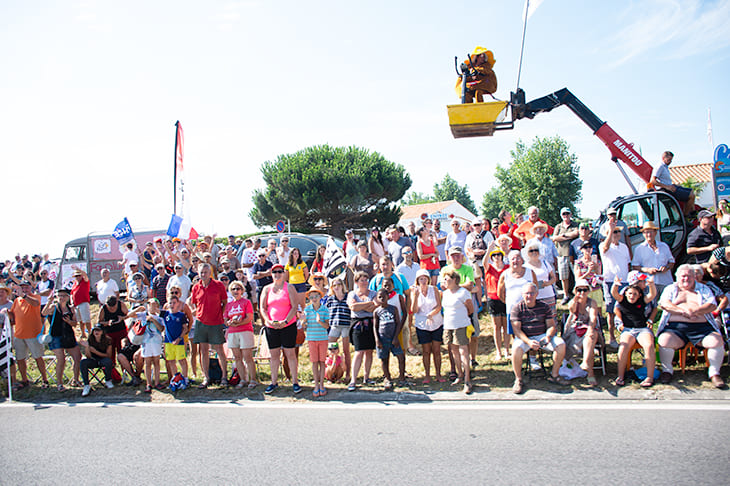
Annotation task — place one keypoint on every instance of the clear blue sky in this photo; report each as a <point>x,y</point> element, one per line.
<point>91,90</point>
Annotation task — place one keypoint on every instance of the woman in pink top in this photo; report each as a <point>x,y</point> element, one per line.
<point>278,309</point>
<point>238,316</point>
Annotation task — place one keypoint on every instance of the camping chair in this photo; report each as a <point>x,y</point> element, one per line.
<point>51,364</point>
<point>599,351</point>
<point>262,356</point>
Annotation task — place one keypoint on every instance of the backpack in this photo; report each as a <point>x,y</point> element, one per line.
<point>235,378</point>
<point>136,332</point>
<point>215,374</point>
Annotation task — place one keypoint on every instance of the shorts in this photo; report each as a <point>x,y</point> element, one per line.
<point>456,336</point>
<point>83,312</point>
<point>337,332</point>
<point>58,343</point>
<point>689,332</point>
<point>205,334</point>
<point>282,338</point>
<point>240,340</point>
<point>175,352</point>
<point>117,338</point>
<point>318,351</point>
<point>549,346</point>
<point>128,351</point>
<point>610,301</point>
<point>362,335</point>
<point>300,287</point>
<point>637,331</point>
<point>496,307</point>
<point>434,272</point>
<point>152,349</point>
<point>475,324</point>
<point>564,267</point>
<point>427,337</point>
<point>24,346</point>
<point>388,348</point>
<point>681,193</point>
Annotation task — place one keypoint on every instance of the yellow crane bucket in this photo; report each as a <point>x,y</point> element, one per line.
<point>475,119</point>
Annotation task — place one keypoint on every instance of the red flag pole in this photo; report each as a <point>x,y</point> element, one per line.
<point>174,172</point>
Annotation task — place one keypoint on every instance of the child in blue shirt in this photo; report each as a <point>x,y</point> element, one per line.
<point>176,327</point>
<point>316,323</point>
<point>388,324</point>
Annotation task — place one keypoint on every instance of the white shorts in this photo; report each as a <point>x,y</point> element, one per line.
<point>23,346</point>
<point>83,312</point>
<point>549,346</point>
<point>337,332</point>
<point>240,340</point>
<point>152,349</point>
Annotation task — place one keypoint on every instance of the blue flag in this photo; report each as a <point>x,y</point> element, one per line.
<point>175,223</point>
<point>123,232</point>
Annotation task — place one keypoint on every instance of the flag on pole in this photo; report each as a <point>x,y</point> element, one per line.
<point>179,179</point>
<point>179,228</point>
<point>334,261</point>
<point>530,7</point>
<point>6,358</point>
<point>123,232</point>
<point>709,128</point>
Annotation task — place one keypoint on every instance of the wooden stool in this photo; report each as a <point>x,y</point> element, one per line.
<point>683,355</point>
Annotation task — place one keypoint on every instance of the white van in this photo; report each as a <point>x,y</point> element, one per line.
<point>97,251</point>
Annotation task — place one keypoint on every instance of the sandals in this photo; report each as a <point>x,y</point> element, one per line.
<point>351,387</point>
<point>60,388</point>
<point>557,380</point>
<point>44,385</point>
<point>647,383</point>
<point>592,381</point>
<point>620,382</point>
<point>148,389</point>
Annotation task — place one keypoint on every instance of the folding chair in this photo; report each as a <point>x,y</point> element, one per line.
<point>599,351</point>
<point>527,370</point>
<point>262,356</point>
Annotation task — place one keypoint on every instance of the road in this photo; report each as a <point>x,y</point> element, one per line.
<point>337,443</point>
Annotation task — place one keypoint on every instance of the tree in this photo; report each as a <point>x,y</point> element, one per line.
<point>543,175</point>
<point>492,203</point>
<point>695,185</point>
<point>412,198</point>
<point>341,187</point>
<point>450,189</point>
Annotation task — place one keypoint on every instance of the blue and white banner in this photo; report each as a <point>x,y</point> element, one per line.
<point>334,261</point>
<point>123,232</point>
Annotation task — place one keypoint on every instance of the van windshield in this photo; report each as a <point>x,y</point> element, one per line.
<point>74,253</point>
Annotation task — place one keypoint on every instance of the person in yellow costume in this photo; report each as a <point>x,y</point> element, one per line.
<point>484,80</point>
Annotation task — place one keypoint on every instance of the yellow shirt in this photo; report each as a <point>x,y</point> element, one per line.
<point>296,274</point>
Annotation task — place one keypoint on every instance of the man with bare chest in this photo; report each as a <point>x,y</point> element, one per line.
<point>687,318</point>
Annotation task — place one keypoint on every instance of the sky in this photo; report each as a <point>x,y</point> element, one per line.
<point>91,90</point>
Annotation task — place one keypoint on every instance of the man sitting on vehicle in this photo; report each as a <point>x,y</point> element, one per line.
<point>533,324</point>
<point>687,318</point>
<point>661,179</point>
<point>483,80</point>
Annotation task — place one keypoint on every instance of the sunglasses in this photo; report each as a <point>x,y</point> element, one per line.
<point>277,271</point>
<point>318,278</point>
<point>615,232</point>
<point>533,251</point>
<point>581,290</point>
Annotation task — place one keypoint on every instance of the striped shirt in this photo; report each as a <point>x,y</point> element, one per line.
<point>315,330</point>
<point>339,311</point>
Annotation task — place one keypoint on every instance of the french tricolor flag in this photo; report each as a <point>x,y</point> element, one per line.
<point>180,228</point>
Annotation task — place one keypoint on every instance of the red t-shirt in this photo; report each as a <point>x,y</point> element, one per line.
<point>509,230</point>
<point>492,280</point>
<point>209,302</point>
<point>80,291</point>
<point>240,307</point>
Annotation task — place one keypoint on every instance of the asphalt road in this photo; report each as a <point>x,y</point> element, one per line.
<point>336,443</point>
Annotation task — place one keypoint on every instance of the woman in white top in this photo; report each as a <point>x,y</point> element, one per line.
<point>544,272</point>
<point>511,282</point>
<point>426,310</point>
<point>375,244</point>
<point>457,305</point>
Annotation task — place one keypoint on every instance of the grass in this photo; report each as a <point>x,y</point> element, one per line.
<point>489,374</point>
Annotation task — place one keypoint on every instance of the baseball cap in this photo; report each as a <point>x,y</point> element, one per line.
<point>455,249</point>
<point>635,276</point>
<point>611,210</point>
<point>705,214</point>
<point>565,210</point>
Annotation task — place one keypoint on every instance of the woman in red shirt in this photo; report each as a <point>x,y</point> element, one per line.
<point>428,253</point>
<point>493,268</point>
<point>508,228</point>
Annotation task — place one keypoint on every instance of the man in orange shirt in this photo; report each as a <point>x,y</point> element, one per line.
<point>25,315</point>
<point>524,230</point>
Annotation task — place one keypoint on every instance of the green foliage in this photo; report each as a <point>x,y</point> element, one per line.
<point>340,186</point>
<point>412,198</point>
<point>450,189</point>
<point>492,203</point>
<point>543,175</point>
<point>695,185</point>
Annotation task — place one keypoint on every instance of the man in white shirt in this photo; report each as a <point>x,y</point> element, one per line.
<point>181,281</point>
<point>456,237</point>
<point>616,261</point>
<point>661,179</point>
<point>106,287</point>
<point>654,257</point>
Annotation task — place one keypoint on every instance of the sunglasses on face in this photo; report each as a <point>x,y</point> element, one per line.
<point>277,271</point>
<point>581,290</point>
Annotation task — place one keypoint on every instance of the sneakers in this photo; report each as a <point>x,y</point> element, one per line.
<point>665,377</point>
<point>109,384</point>
<point>565,300</point>
<point>351,387</point>
<point>270,389</point>
<point>518,388</point>
<point>86,390</point>
<point>296,388</point>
